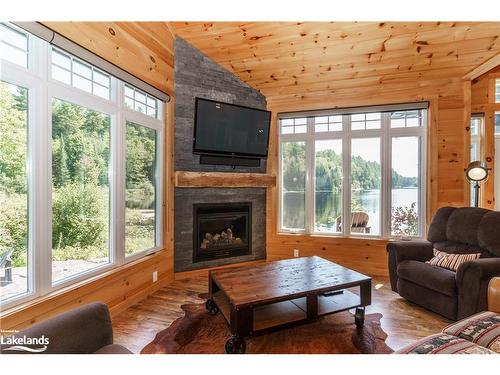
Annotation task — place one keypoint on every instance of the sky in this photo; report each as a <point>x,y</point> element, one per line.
<point>404,152</point>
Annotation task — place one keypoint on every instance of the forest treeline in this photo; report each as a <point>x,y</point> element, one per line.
<point>365,174</point>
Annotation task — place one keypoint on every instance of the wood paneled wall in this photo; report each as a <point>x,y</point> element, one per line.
<point>144,49</point>
<point>483,101</point>
<point>449,115</point>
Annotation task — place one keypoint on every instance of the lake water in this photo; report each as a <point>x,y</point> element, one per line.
<point>328,207</point>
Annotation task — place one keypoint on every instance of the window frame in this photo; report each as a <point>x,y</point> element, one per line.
<point>28,44</point>
<point>37,78</point>
<point>15,74</point>
<point>151,123</point>
<point>386,134</point>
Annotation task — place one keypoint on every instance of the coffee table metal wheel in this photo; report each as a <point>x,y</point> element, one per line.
<point>359,317</point>
<point>235,345</point>
<point>211,307</point>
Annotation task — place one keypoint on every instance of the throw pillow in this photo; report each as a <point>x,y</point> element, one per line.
<point>451,261</point>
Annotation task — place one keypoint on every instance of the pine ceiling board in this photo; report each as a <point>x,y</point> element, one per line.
<point>333,85</point>
<point>226,33</point>
<point>294,57</point>
<point>287,58</point>
<point>135,47</point>
<point>363,53</point>
<point>307,73</point>
<point>324,34</point>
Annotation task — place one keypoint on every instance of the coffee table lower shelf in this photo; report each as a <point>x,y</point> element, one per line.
<point>280,314</point>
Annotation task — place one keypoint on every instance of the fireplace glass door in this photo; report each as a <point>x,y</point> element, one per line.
<point>221,230</point>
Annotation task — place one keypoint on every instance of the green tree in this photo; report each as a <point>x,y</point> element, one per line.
<point>141,144</point>
<point>78,218</point>
<point>60,171</point>
<point>294,168</point>
<point>13,188</point>
<point>13,140</point>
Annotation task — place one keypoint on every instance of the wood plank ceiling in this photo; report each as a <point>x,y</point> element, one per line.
<point>144,49</point>
<point>295,58</point>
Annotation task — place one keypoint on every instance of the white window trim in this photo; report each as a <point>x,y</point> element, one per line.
<point>386,134</point>
<point>42,89</point>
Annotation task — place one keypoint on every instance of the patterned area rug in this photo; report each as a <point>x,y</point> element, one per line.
<point>200,333</point>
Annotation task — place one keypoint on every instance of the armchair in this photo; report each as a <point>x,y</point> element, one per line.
<point>454,295</point>
<point>84,330</point>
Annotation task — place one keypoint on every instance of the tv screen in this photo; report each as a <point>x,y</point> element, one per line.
<point>222,128</point>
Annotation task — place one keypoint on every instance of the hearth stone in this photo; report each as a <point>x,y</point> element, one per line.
<point>186,198</point>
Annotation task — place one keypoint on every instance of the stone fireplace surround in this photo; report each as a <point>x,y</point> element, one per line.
<point>198,76</point>
<point>183,238</point>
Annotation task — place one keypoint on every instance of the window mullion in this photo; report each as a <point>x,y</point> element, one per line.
<point>44,241</point>
<point>159,180</point>
<point>346,175</point>
<point>118,218</point>
<point>309,193</point>
<point>386,166</point>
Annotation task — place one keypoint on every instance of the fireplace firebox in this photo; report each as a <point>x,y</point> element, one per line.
<point>221,230</point>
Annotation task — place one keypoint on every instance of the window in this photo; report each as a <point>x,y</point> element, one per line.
<point>366,177</point>
<point>327,124</point>
<point>405,185</point>
<point>15,259</point>
<point>328,185</point>
<point>13,45</point>
<point>497,123</point>
<point>364,121</point>
<point>80,191</point>
<point>293,184</point>
<point>141,102</point>
<point>497,91</point>
<point>476,131</point>
<point>140,185</point>
<point>362,167</point>
<point>79,74</point>
<point>406,119</point>
<point>476,126</point>
<point>294,126</point>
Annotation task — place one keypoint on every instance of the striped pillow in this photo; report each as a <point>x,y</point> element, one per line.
<point>451,261</point>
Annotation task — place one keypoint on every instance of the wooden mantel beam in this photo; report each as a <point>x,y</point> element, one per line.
<point>483,68</point>
<point>223,179</point>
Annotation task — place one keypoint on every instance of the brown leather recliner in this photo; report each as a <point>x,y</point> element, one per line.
<point>455,295</point>
<point>84,330</point>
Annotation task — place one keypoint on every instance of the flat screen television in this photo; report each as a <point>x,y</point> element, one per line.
<point>223,129</point>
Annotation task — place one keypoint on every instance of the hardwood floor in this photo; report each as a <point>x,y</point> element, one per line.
<point>137,326</point>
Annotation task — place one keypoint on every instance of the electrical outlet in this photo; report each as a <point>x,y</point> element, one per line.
<point>295,253</point>
<point>155,276</point>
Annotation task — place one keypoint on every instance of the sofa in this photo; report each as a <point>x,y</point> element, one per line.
<point>454,295</point>
<point>84,330</point>
<point>477,334</point>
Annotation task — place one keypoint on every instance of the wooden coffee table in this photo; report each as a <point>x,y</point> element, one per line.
<point>256,299</point>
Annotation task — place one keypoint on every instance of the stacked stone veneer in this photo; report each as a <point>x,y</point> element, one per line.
<point>198,76</point>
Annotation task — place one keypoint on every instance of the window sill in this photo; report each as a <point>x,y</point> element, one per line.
<point>341,237</point>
